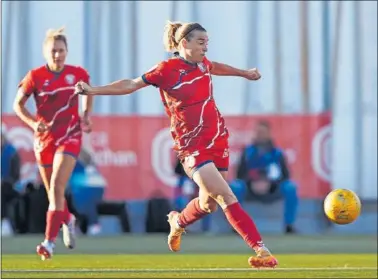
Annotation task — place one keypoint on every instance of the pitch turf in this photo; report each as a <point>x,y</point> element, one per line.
<point>188,266</point>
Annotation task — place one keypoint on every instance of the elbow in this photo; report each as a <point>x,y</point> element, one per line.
<point>130,88</point>
<point>16,107</point>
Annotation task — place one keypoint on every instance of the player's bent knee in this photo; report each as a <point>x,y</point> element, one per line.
<point>209,206</point>
<point>224,199</point>
<point>288,188</point>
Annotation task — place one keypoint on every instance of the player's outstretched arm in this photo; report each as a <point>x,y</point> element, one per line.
<point>120,87</point>
<point>220,69</point>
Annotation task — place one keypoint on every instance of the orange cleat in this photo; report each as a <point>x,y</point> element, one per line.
<point>263,259</point>
<point>174,237</point>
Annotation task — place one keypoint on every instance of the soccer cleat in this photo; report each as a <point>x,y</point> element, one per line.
<point>45,250</point>
<point>69,233</point>
<point>263,259</point>
<point>174,237</point>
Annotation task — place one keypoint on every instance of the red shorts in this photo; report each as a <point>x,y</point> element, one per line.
<point>45,153</point>
<point>219,156</point>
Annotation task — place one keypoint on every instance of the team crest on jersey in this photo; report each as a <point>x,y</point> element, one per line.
<point>202,67</point>
<point>70,79</point>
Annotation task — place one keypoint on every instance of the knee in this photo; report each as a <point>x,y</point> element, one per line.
<point>56,189</point>
<point>209,206</point>
<point>224,198</point>
<point>288,188</point>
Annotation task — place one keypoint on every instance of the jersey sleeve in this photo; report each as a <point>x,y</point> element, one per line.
<point>27,85</point>
<point>84,75</point>
<point>208,63</point>
<point>157,75</point>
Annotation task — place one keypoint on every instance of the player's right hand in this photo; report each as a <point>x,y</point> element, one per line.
<point>40,127</point>
<point>82,88</point>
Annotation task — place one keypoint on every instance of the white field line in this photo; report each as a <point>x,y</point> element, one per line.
<point>162,270</point>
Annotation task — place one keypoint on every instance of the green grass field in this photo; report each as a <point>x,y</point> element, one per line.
<point>202,257</point>
<point>187,266</point>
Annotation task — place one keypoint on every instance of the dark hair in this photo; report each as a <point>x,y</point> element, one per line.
<point>174,32</point>
<point>264,123</point>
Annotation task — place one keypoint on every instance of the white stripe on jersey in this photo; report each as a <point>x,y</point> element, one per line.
<point>62,109</point>
<point>55,91</point>
<point>218,125</point>
<point>200,124</point>
<point>69,129</point>
<point>190,82</point>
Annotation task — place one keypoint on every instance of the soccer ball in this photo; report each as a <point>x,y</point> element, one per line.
<point>342,206</point>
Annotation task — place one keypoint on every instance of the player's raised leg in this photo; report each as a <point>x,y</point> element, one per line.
<point>209,178</point>
<point>63,166</point>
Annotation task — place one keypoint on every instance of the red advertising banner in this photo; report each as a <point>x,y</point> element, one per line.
<point>134,153</point>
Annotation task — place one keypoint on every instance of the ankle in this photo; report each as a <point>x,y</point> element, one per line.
<point>179,224</point>
<point>48,243</point>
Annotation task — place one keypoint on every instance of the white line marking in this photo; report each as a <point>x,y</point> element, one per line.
<point>158,270</point>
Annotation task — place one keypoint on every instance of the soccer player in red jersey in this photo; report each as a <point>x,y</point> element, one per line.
<point>198,130</point>
<point>58,131</point>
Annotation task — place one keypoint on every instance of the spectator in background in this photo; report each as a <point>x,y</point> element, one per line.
<point>10,175</point>
<point>264,170</point>
<point>87,187</point>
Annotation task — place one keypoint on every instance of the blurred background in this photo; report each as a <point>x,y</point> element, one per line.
<point>316,103</point>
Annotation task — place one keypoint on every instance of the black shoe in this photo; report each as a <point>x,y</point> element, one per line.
<point>289,229</point>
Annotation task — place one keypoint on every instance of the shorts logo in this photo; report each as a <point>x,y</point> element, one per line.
<point>190,161</point>
<point>38,145</point>
<point>225,153</point>
<point>202,67</point>
<point>70,79</point>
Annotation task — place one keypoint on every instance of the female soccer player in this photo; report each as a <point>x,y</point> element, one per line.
<point>198,130</point>
<point>58,130</point>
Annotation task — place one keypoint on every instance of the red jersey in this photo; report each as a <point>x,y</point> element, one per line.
<point>57,105</point>
<point>186,90</point>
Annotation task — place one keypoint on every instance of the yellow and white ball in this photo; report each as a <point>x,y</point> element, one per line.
<point>342,206</point>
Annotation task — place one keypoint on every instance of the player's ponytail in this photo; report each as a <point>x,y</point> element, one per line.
<point>169,37</point>
<point>56,34</point>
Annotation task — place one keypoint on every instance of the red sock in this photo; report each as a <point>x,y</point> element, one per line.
<point>191,213</point>
<point>243,224</point>
<point>53,222</point>
<point>66,213</point>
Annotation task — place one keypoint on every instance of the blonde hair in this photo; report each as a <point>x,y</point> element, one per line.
<point>174,32</point>
<point>56,35</point>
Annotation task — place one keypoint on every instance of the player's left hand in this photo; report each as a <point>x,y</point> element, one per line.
<point>86,124</point>
<point>82,88</point>
<point>252,74</point>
